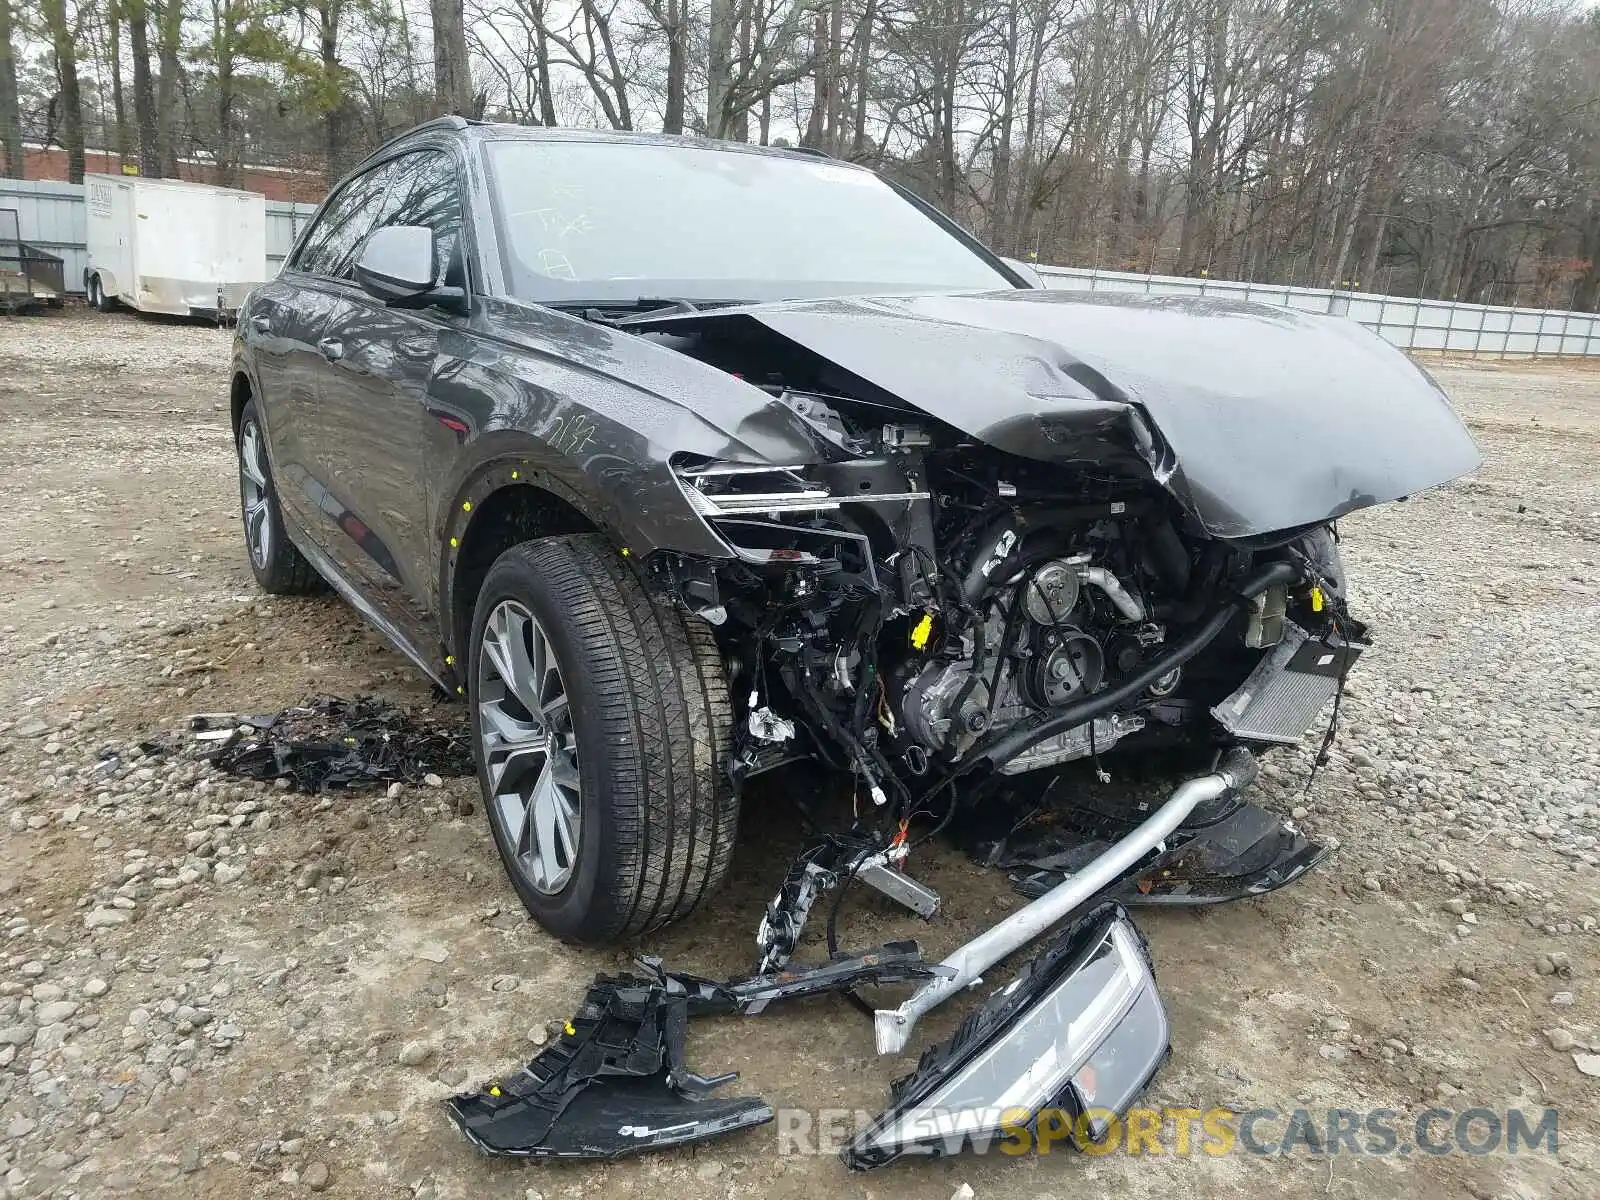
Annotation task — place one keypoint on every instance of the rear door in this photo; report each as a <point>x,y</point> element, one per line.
<point>374,406</point>
<point>285,330</point>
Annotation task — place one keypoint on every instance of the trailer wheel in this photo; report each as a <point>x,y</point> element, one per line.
<point>97,295</point>
<point>602,724</point>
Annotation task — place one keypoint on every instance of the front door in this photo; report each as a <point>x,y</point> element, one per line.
<point>373,401</point>
<point>286,326</point>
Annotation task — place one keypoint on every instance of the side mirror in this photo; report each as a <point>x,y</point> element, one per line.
<point>1029,275</point>
<point>397,265</point>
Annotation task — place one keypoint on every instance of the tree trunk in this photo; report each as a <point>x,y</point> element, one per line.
<point>858,134</point>
<point>547,101</point>
<point>452,77</point>
<point>748,15</point>
<point>816,123</point>
<point>677,30</point>
<point>1000,191</point>
<point>63,44</point>
<point>119,105</point>
<point>333,116</point>
<point>167,87</point>
<point>144,95</point>
<point>223,31</point>
<point>719,67</point>
<point>10,110</point>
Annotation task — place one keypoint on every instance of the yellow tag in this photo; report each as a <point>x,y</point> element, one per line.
<point>921,631</point>
<point>1316,599</point>
<point>494,1089</point>
<point>569,1030</point>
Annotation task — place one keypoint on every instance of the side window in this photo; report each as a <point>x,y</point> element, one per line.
<point>424,191</point>
<point>332,246</point>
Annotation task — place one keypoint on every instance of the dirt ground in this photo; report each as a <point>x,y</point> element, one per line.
<point>210,988</point>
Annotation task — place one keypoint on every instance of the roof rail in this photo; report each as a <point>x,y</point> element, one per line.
<point>448,121</point>
<point>812,152</point>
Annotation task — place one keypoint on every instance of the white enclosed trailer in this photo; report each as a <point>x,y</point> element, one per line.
<point>165,246</point>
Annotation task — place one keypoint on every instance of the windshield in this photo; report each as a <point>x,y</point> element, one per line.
<point>623,220</point>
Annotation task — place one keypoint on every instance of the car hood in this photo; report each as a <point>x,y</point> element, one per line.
<point>1257,419</point>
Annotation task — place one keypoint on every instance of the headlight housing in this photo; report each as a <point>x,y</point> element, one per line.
<point>727,489</point>
<point>1077,1035</point>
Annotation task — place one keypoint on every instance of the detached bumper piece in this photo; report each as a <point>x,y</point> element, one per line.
<point>1074,1038</point>
<point>1233,854</point>
<point>893,962</point>
<point>614,1083</point>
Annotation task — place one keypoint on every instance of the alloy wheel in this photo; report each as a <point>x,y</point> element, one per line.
<point>529,748</point>
<point>253,492</point>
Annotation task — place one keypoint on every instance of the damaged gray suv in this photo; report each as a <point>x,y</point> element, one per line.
<point>684,462</point>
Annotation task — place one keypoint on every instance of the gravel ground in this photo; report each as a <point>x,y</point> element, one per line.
<point>210,988</point>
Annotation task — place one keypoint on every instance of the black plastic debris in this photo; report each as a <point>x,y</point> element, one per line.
<point>1227,850</point>
<point>893,962</point>
<point>1076,1037</point>
<point>336,743</point>
<point>613,1083</point>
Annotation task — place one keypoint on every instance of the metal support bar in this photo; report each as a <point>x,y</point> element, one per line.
<point>897,885</point>
<point>892,1027</point>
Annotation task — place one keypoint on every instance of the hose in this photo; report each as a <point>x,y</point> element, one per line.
<point>1070,717</point>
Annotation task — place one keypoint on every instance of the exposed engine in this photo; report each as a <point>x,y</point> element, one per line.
<point>1049,636</point>
<point>920,603</point>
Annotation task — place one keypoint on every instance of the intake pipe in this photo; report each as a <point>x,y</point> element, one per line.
<point>965,967</point>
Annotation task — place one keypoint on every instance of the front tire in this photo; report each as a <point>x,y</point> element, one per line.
<point>601,727</point>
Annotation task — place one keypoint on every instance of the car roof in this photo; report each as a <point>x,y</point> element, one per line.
<point>494,131</point>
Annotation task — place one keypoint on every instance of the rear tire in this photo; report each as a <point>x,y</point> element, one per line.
<point>278,567</point>
<point>642,705</point>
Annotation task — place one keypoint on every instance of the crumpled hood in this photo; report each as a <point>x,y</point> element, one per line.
<point>1265,418</point>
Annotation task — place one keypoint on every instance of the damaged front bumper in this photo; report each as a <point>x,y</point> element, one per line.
<point>1057,1054</point>
<point>1066,1046</point>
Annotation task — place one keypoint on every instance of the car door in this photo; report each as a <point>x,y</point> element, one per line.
<point>374,401</point>
<point>284,327</point>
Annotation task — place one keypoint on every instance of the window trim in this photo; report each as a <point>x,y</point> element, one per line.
<point>465,241</point>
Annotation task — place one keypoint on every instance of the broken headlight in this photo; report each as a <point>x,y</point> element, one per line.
<point>726,489</point>
<point>1059,1052</point>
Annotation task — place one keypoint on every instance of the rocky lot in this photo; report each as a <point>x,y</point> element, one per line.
<point>217,988</point>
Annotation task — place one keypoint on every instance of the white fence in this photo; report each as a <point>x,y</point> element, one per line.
<point>50,216</point>
<point>1404,320</point>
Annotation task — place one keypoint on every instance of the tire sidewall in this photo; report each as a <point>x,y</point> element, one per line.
<point>585,909</point>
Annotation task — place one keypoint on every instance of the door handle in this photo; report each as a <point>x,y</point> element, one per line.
<point>332,349</point>
<point>420,346</point>
<point>261,324</point>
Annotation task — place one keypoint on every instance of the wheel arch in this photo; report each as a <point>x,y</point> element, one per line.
<point>509,504</point>
<point>240,393</point>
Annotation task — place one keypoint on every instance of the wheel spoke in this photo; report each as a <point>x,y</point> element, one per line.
<point>564,769</point>
<point>508,652</point>
<point>545,815</point>
<point>250,457</point>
